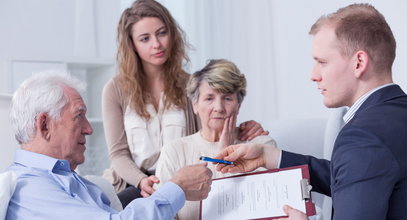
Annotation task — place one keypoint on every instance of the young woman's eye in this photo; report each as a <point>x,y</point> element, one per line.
<point>144,39</point>
<point>162,33</point>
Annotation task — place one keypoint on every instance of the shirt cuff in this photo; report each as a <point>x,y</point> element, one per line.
<point>279,159</point>
<point>174,194</point>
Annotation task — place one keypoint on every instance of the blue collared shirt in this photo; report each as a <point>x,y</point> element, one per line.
<point>47,189</point>
<point>354,108</point>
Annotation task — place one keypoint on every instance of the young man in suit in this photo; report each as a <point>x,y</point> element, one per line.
<point>354,50</point>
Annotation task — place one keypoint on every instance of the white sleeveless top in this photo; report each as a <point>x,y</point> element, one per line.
<point>146,138</point>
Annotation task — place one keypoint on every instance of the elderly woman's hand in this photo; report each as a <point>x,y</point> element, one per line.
<point>228,133</point>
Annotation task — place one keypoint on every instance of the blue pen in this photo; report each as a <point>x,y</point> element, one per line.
<point>215,160</point>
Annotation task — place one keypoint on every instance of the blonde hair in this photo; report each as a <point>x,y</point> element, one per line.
<point>221,75</point>
<point>131,74</point>
<point>362,27</point>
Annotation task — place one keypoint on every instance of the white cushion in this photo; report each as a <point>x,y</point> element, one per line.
<point>333,126</point>
<point>300,135</point>
<point>8,182</point>
<point>108,189</point>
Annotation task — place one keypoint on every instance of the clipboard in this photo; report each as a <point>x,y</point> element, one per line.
<point>259,195</point>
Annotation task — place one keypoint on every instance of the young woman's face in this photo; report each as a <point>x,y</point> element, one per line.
<point>151,40</point>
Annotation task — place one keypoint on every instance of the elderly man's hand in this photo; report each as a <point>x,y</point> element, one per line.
<point>195,180</point>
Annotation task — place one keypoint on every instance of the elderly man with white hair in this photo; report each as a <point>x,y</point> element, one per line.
<point>49,120</point>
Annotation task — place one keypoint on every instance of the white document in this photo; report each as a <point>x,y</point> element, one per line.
<point>254,196</point>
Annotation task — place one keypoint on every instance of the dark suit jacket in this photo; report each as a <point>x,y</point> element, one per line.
<point>367,174</point>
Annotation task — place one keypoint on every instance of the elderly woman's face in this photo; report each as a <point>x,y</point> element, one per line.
<point>213,107</point>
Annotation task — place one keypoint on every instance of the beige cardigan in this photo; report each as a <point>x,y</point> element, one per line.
<point>123,170</point>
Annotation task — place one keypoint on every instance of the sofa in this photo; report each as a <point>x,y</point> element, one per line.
<point>311,136</point>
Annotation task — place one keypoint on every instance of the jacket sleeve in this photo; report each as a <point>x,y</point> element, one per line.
<point>318,168</point>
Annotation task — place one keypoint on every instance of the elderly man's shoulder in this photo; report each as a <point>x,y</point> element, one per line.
<point>30,174</point>
<point>32,182</point>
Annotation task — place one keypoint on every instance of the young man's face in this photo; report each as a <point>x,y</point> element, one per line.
<point>332,72</point>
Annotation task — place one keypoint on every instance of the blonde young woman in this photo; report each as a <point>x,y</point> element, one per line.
<point>217,92</point>
<point>144,106</point>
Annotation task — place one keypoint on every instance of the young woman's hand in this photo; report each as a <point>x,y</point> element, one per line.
<point>249,130</point>
<point>146,185</point>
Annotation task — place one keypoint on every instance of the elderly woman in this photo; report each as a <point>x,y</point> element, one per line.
<point>217,92</point>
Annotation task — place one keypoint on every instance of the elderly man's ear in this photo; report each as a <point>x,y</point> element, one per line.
<point>43,123</point>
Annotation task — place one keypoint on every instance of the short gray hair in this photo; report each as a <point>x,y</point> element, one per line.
<point>221,75</point>
<point>42,92</point>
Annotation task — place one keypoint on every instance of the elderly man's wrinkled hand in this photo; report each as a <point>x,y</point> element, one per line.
<point>195,180</point>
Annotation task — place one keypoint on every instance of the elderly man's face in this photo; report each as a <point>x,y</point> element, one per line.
<point>68,133</point>
<point>213,107</point>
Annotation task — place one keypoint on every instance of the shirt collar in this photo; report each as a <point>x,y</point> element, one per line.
<point>354,108</point>
<point>40,161</point>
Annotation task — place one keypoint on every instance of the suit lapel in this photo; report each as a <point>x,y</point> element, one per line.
<point>380,96</point>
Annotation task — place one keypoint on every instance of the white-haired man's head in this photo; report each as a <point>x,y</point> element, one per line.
<point>42,92</point>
